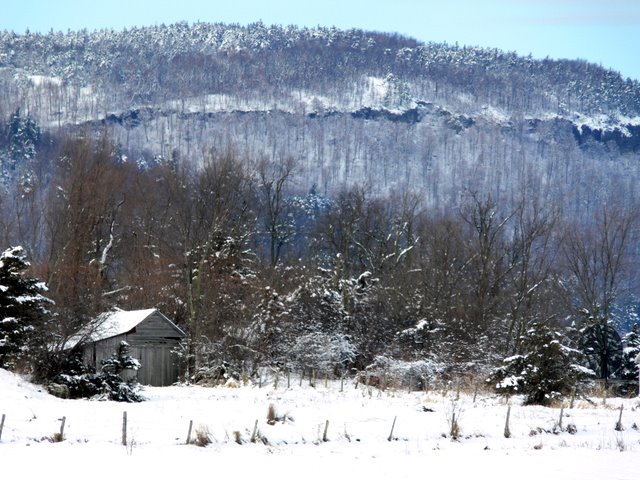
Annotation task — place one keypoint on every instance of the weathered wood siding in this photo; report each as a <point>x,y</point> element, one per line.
<point>95,353</point>
<point>151,343</point>
<point>161,366</point>
<point>155,327</point>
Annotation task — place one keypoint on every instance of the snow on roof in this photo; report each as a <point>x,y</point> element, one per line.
<point>109,324</point>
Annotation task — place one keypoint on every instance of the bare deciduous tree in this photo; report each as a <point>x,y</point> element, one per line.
<point>84,227</point>
<point>273,183</point>
<point>532,253</point>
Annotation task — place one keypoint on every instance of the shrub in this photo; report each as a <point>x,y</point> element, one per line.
<point>453,420</point>
<point>75,380</point>
<point>103,385</point>
<point>203,437</point>
<point>272,418</point>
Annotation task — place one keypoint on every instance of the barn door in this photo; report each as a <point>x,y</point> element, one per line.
<point>158,365</point>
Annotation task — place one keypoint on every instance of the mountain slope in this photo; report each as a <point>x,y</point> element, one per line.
<point>350,106</point>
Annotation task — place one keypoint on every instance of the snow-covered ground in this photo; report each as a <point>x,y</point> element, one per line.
<point>360,421</point>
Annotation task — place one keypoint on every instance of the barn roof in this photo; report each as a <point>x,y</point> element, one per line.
<point>112,324</point>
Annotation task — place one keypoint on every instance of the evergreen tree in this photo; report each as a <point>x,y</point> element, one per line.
<point>24,134</point>
<point>546,371</point>
<point>22,311</point>
<point>120,361</point>
<point>603,348</point>
<point>115,382</point>
<point>631,350</point>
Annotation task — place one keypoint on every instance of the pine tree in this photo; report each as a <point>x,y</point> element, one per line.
<point>120,361</point>
<point>629,369</point>
<point>602,346</point>
<point>22,311</point>
<point>24,134</point>
<point>546,371</point>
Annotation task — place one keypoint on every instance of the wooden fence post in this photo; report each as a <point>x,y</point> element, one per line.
<point>619,426</point>
<point>124,428</point>
<point>63,420</point>
<point>393,425</point>
<point>507,431</point>
<point>561,415</point>
<point>189,433</point>
<point>254,433</point>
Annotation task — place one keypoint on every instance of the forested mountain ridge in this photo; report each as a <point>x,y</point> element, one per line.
<point>352,106</point>
<point>147,64</point>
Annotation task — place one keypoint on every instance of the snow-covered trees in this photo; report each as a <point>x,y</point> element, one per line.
<point>24,134</point>
<point>212,214</point>
<point>545,371</point>
<point>349,278</point>
<point>71,378</point>
<point>23,312</point>
<point>320,335</point>
<point>323,352</point>
<point>356,277</point>
<point>630,357</point>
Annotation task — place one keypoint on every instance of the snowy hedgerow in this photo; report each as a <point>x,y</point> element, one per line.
<point>546,370</point>
<point>414,373</point>
<point>103,386</point>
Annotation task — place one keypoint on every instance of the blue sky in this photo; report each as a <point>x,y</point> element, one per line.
<point>603,32</point>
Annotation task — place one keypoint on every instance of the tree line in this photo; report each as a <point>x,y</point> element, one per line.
<point>260,273</point>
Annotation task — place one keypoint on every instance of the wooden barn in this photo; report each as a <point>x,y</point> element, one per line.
<point>151,337</point>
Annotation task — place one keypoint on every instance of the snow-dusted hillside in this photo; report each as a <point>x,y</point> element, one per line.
<point>352,107</point>
<point>360,422</point>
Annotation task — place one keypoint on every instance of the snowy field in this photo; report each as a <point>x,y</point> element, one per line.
<point>357,436</point>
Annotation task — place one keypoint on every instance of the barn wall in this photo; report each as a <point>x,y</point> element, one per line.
<point>151,343</point>
<point>95,353</point>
